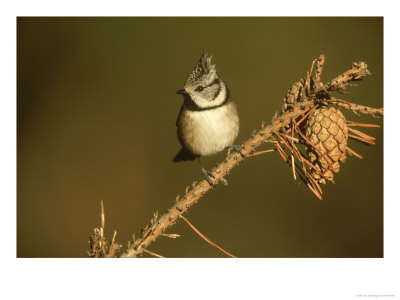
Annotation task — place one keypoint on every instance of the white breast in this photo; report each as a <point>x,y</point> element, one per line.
<point>211,131</point>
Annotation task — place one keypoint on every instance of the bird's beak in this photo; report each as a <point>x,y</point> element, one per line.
<point>182,91</point>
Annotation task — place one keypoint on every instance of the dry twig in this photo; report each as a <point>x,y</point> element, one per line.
<point>97,242</point>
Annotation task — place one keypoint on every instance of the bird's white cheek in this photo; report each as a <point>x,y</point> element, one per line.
<point>204,101</point>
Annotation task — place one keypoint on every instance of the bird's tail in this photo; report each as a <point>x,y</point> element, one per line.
<point>183,155</point>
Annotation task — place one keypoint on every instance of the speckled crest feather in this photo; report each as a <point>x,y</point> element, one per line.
<point>203,68</point>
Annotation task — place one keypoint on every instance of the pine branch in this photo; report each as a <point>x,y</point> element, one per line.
<point>303,97</point>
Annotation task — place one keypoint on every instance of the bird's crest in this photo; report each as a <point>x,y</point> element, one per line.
<point>203,68</point>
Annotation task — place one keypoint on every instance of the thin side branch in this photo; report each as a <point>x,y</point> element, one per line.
<point>356,108</point>
<point>97,241</point>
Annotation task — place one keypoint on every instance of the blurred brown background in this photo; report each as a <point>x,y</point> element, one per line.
<point>96,120</point>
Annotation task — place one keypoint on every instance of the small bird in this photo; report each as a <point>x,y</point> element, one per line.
<point>208,121</point>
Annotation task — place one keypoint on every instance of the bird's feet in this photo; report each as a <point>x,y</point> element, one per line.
<point>207,175</point>
<point>237,149</point>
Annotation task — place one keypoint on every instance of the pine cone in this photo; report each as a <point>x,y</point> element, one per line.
<point>326,128</point>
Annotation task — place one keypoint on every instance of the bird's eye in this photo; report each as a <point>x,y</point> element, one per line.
<point>199,88</point>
